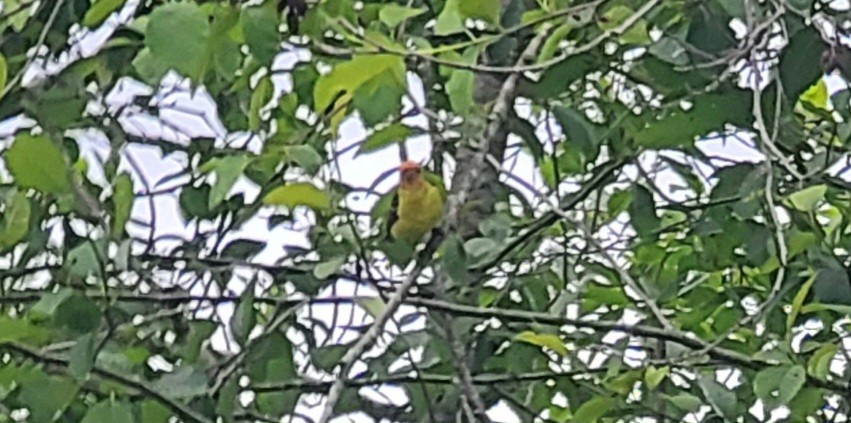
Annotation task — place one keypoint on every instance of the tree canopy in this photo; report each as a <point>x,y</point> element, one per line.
<point>647,218</point>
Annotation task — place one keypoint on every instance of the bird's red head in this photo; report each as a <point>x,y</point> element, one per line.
<point>410,172</point>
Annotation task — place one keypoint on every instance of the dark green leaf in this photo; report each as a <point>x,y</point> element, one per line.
<point>82,357</point>
<point>244,317</point>
<point>154,412</point>
<point>78,313</point>
<point>184,382</point>
<point>642,212</point>
<point>800,62</point>
<point>394,133</point>
<point>379,98</point>
<point>260,24</point>
<point>722,399</point>
<point>710,112</point>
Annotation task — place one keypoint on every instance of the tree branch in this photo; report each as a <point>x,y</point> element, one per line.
<point>178,408</point>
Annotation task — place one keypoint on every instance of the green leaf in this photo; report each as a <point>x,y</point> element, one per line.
<point>260,25</point>
<point>547,340</point>
<point>653,376</point>
<point>347,77</point>
<point>35,162</point>
<point>618,203</point>
<point>455,12</point>
<point>722,400</point>
<point>807,403</point>
<point>48,304</point>
<point>709,31</point>
<point>16,330</point>
<point>394,133</point>
<point>460,84</point>
<point>4,72</point>
<point>226,402</point>
<point>558,78</point>
<point>816,307</point>
<point>578,129</point>
<point>486,10</point>
<point>709,113</point>
<point>122,200</point>
<point>800,62</point>
<point>808,198</point>
<point>393,14</point>
<point>83,260</point>
<point>199,332</point>
<point>378,98</point>
<point>454,259</point>
<point>497,227</point>
<point>259,97</point>
<point>16,21</point>
<point>624,382</point>
<point>798,302</point>
<point>228,170</point>
<point>244,317</point>
<point>82,357</point>
<point>593,409</point>
<point>375,306</point>
<point>46,395</point>
<point>177,36</point>
<point>778,385</point>
<point>182,383</point>
<point>243,248</point>
<point>449,21</point>
<point>154,412</point>
<point>328,358</point>
<point>480,250</point>
<point>734,8</point>
<point>685,402</point>
<point>59,106</point>
<point>819,364</point>
<point>816,95</point>
<point>79,314</point>
<point>305,156</point>
<point>832,286</point>
<point>459,89</point>
<point>642,212</point>
<point>551,45</point>
<point>15,223</point>
<point>100,10</point>
<point>194,202</point>
<point>329,267</point>
<point>298,194</point>
<point>615,17</point>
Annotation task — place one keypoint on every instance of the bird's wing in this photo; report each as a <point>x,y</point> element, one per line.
<point>385,210</point>
<point>393,213</point>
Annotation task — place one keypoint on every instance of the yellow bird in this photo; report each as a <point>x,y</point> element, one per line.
<point>419,205</point>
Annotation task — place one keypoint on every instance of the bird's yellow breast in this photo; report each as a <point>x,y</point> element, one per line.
<point>420,209</point>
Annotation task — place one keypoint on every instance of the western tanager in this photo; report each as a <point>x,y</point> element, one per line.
<point>419,204</point>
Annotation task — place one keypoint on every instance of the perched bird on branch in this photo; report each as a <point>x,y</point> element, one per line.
<point>418,204</point>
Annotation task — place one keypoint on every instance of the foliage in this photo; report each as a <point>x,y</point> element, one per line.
<point>634,268</point>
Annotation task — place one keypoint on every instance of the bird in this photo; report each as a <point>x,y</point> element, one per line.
<point>418,204</point>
